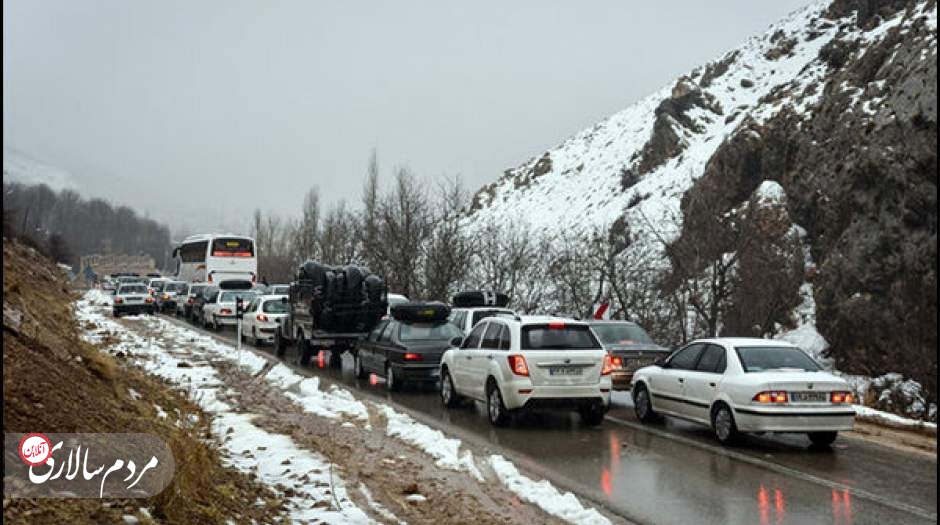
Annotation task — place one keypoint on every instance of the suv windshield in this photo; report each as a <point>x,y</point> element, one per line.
<point>229,297</point>
<point>442,331</point>
<point>483,314</point>
<point>274,306</point>
<point>621,334</point>
<point>764,358</point>
<point>136,288</point>
<point>562,337</point>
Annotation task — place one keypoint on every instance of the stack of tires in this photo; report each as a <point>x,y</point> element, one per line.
<point>342,299</point>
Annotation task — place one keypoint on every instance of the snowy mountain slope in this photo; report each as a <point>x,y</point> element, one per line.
<point>640,162</point>
<point>19,167</point>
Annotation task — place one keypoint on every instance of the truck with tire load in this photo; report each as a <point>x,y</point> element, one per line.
<point>330,308</point>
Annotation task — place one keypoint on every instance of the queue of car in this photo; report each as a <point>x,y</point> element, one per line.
<point>479,350</point>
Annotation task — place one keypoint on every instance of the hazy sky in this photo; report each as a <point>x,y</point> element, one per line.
<point>193,111</point>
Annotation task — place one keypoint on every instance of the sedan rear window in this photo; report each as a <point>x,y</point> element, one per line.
<point>428,332</point>
<point>176,287</point>
<point>275,306</point>
<point>229,297</point>
<point>766,358</point>
<point>621,334</point>
<point>552,337</point>
<point>132,289</point>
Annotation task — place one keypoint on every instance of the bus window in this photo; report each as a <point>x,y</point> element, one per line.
<point>232,247</point>
<point>194,252</point>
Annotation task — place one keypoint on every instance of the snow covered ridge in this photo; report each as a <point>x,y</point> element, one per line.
<point>184,358</point>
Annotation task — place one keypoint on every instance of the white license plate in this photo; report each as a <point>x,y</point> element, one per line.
<point>809,397</point>
<point>564,371</point>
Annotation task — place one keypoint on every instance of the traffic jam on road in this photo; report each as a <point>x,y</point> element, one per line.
<point>474,362</point>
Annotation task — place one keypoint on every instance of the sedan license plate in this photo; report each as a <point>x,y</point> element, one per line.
<point>636,364</point>
<point>809,397</point>
<point>564,371</point>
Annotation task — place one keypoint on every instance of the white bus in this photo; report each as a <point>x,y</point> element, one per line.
<point>214,258</point>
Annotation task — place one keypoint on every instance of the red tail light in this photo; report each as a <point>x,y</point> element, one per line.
<point>518,365</point>
<point>841,397</point>
<point>607,367</point>
<point>261,317</point>
<point>413,357</point>
<point>149,299</point>
<point>189,301</point>
<point>118,300</point>
<point>616,361</point>
<point>225,311</point>
<point>773,396</point>
<point>556,325</point>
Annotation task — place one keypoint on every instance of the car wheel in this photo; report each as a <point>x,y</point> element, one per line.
<point>495,409</point>
<point>254,337</point>
<point>280,348</point>
<point>115,313</point>
<point>391,382</point>
<point>643,405</point>
<point>357,367</point>
<point>822,439</point>
<point>215,324</point>
<point>726,431</point>
<point>449,395</point>
<point>592,415</point>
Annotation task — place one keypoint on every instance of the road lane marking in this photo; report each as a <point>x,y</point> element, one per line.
<point>778,468</point>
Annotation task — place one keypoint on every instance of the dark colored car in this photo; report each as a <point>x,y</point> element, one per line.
<point>206,295</point>
<point>406,350</point>
<point>190,299</point>
<point>630,348</point>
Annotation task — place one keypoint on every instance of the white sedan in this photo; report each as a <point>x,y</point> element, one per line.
<point>535,364</point>
<point>745,385</point>
<point>263,317</point>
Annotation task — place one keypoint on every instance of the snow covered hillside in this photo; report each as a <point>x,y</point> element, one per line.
<point>19,167</point>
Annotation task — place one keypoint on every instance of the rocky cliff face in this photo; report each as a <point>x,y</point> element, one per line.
<point>836,105</point>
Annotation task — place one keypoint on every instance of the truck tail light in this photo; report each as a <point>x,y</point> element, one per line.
<point>772,396</point>
<point>518,365</point>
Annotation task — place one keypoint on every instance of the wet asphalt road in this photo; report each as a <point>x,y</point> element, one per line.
<point>674,473</point>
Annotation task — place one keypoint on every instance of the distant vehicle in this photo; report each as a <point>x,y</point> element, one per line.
<point>205,296</point>
<point>215,258</point>
<point>409,346</point>
<point>745,385</point>
<point>155,285</point>
<point>126,279</point>
<point>471,307</point>
<point>132,298</point>
<point>168,297</point>
<point>184,306</point>
<point>263,318</point>
<point>539,363</point>
<point>108,286</point>
<point>393,299</point>
<point>630,347</point>
<point>154,275</point>
<point>220,311</point>
<point>278,289</point>
<point>330,308</point>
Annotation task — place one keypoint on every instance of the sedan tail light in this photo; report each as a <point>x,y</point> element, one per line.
<point>616,361</point>
<point>841,397</point>
<point>518,365</point>
<point>225,311</point>
<point>189,301</point>
<point>413,357</point>
<point>263,318</point>
<point>149,299</point>
<point>608,366</point>
<point>773,396</point>
<point>118,300</point>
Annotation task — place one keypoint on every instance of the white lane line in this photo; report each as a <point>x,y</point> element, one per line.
<point>780,469</point>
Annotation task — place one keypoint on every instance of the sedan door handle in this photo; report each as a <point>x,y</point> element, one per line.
<point>713,385</point>
<point>681,380</point>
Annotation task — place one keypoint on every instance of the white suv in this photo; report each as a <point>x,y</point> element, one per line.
<point>467,318</point>
<point>533,364</point>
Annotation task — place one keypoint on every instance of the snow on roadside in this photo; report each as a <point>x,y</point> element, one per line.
<point>565,506</point>
<point>890,419</point>
<point>446,451</point>
<point>274,458</point>
<point>334,402</point>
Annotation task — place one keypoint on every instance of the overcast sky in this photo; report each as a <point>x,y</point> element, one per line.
<point>195,111</point>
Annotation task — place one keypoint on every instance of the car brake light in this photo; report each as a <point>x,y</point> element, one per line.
<point>149,299</point>
<point>261,317</point>
<point>118,300</point>
<point>841,397</point>
<point>616,361</point>
<point>773,396</point>
<point>225,311</point>
<point>556,325</point>
<point>189,301</point>
<point>518,365</point>
<point>607,367</point>
<point>412,357</point>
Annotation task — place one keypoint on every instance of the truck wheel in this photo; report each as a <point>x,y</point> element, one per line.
<point>306,351</point>
<point>336,358</point>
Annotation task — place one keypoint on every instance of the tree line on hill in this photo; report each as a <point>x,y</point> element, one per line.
<point>66,226</point>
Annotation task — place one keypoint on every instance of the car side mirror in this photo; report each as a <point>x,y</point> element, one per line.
<point>456,342</point>
<point>662,363</point>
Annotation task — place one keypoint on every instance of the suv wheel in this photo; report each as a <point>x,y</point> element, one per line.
<point>449,395</point>
<point>495,409</point>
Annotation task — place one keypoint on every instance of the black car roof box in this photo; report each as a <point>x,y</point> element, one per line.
<point>236,284</point>
<point>472,298</point>
<point>414,311</point>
